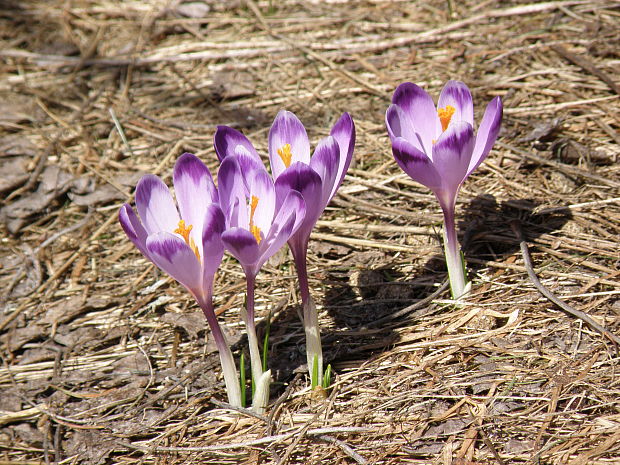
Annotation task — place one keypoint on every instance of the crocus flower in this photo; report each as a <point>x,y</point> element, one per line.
<point>255,230</point>
<point>185,243</point>
<point>438,147</point>
<point>317,178</point>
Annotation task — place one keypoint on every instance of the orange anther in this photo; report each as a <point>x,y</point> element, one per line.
<point>445,115</point>
<point>285,154</point>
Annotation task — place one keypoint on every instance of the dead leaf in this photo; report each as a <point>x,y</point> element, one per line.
<point>193,9</point>
<point>18,108</point>
<point>90,446</point>
<point>14,173</point>
<point>543,131</point>
<point>53,183</point>
<point>16,145</point>
<point>233,84</point>
<point>193,323</point>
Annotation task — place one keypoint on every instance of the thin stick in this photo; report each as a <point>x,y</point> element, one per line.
<point>527,259</point>
<point>120,130</point>
<point>344,448</point>
<point>412,308</point>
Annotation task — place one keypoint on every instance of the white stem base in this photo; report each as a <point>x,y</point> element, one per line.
<point>261,392</point>
<point>314,351</point>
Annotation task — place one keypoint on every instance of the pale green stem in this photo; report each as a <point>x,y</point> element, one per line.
<point>231,379</point>
<point>454,262</point>
<point>314,350</point>
<point>261,379</point>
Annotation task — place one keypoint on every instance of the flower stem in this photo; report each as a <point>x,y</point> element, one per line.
<point>454,262</point>
<point>260,379</point>
<point>226,358</point>
<point>314,351</point>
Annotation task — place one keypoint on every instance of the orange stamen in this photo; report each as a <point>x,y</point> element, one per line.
<point>184,232</point>
<point>285,154</point>
<point>445,115</point>
<point>255,230</point>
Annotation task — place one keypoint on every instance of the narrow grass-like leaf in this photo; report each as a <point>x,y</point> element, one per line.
<point>314,377</point>
<point>242,380</point>
<point>266,343</point>
<point>327,377</point>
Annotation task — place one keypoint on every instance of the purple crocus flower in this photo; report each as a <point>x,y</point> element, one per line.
<point>185,243</point>
<point>255,231</point>
<point>317,178</point>
<point>437,147</point>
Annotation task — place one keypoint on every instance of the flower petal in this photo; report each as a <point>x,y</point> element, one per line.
<point>214,224</point>
<point>457,95</point>
<point>287,129</point>
<point>344,133</point>
<point>487,133</point>
<point>133,228</point>
<point>326,162</point>
<point>174,256</point>
<point>156,207</point>
<point>242,245</point>
<point>228,141</point>
<point>232,190</point>
<point>261,187</point>
<point>416,164</point>
<point>289,218</point>
<point>305,180</point>
<point>195,191</point>
<point>419,115</point>
<point>452,154</point>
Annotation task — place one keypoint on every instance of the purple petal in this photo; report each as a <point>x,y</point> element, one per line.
<point>155,205</point>
<point>305,180</point>
<point>457,95</point>
<point>325,161</point>
<point>487,133</point>
<point>261,187</point>
<point>227,141</point>
<point>232,190</point>
<point>242,245</point>
<point>133,228</point>
<point>399,125</point>
<point>195,191</point>
<point>344,133</point>
<point>419,115</point>
<point>214,224</point>
<point>287,129</point>
<point>174,256</point>
<point>416,164</point>
<point>288,220</point>
<point>452,154</point>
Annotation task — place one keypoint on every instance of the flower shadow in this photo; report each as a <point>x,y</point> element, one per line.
<point>486,235</point>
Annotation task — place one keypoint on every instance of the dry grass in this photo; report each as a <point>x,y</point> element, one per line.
<point>105,360</point>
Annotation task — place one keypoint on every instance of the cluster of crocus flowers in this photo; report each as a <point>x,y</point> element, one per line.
<point>438,147</point>
<point>295,172</point>
<point>253,212</point>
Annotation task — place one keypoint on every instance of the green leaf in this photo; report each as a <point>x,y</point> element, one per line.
<point>327,377</point>
<point>242,380</point>
<point>314,377</point>
<point>266,342</point>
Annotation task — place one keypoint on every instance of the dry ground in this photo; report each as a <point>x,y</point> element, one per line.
<point>106,360</point>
